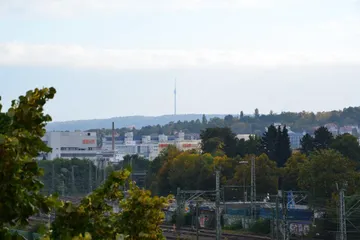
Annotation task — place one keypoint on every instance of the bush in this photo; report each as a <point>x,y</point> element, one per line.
<point>261,227</point>
<point>236,226</point>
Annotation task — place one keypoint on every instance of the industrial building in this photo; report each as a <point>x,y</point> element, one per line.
<point>149,146</point>
<point>84,145</point>
<point>73,145</point>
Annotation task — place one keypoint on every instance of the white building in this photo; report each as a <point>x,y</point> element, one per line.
<point>73,145</point>
<point>148,146</point>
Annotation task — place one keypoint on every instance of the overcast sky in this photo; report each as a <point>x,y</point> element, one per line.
<point>120,57</point>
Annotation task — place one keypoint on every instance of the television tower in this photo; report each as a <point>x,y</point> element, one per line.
<point>175,98</point>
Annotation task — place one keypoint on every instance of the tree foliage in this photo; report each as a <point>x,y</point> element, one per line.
<point>297,121</point>
<point>266,174</point>
<point>347,145</point>
<point>98,214</point>
<point>323,138</point>
<point>324,169</point>
<point>21,129</point>
<point>307,144</point>
<point>213,139</point>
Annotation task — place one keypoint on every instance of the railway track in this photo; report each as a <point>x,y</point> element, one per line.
<point>189,233</point>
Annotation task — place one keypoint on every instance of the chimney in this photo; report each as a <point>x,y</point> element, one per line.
<point>113,136</point>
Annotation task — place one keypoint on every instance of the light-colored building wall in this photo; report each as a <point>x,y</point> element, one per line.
<point>66,144</point>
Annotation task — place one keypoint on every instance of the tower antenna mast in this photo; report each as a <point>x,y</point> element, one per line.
<point>175,98</point>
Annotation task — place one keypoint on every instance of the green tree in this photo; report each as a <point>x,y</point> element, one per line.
<point>21,130</point>
<point>291,171</point>
<point>241,115</point>
<point>283,148</point>
<point>307,144</point>
<point>253,145</point>
<point>158,175</point>
<point>136,162</point>
<point>269,142</point>
<point>348,146</point>
<point>323,138</point>
<point>266,174</point>
<point>213,139</point>
<point>324,169</point>
<point>228,120</point>
<point>98,214</point>
<point>257,114</point>
<point>204,120</point>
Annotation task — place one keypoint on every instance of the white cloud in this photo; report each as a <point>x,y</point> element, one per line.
<point>78,7</point>
<point>18,54</point>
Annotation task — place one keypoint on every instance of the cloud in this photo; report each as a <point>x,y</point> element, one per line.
<point>73,56</point>
<point>63,8</point>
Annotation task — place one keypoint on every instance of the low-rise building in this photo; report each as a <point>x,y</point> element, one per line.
<point>82,145</point>
<point>150,146</point>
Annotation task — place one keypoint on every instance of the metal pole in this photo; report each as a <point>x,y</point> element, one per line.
<point>253,189</point>
<point>72,180</point>
<point>218,223</point>
<point>53,178</point>
<point>132,170</point>
<point>343,232</point>
<point>197,221</point>
<point>277,218</point>
<point>104,165</point>
<point>90,176</point>
<point>96,173</point>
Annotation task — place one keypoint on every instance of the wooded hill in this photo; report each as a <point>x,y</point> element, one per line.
<point>255,123</point>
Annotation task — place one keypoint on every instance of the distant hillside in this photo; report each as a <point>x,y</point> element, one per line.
<point>120,122</point>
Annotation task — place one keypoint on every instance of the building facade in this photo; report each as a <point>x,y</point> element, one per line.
<point>82,145</point>
<point>150,147</point>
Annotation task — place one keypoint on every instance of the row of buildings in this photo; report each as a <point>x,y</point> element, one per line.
<point>84,145</point>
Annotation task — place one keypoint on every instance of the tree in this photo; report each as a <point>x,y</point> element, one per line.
<point>269,142</point>
<point>324,169</point>
<point>213,139</point>
<point>323,138</point>
<point>307,144</point>
<point>257,114</point>
<point>291,171</point>
<point>266,174</point>
<point>204,120</point>
<point>136,162</point>
<point>253,145</point>
<point>348,146</point>
<point>157,177</point>
<point>21,130</point>
<point>283,148</point>
<point>140,216</point>
<point>228,120</point>
<point>241,115</point>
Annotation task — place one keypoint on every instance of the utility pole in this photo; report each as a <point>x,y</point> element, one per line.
<point>53,178</point>
<point>132,170</point>
<point>197,221</point>
<point>73,180</point>
<point>286,234</point>
<point>218,223</point>
<point>277,218</point>
<point>104,166</point>
<point>342,213</point>
<point>90,176</point>
<point>253,189</point>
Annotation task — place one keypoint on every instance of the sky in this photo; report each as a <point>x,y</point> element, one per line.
<point>109,58</point>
